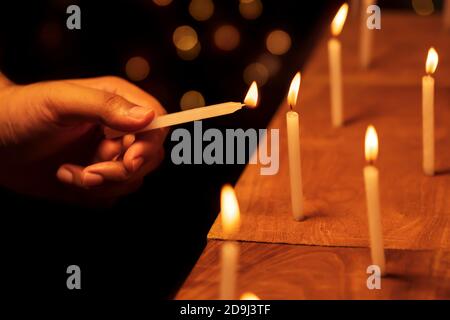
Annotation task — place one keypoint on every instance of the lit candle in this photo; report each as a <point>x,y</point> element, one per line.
<point>334,57</point>
<point>251,100</point>
<point>428,112</point>
<point>293,139</point>
<point>366,36</point>
<point>249,296</point>
<point>446,13</point>
<point>230,250</point>
<point>373,200</point>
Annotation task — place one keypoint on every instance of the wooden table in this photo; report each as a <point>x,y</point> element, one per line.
<point>275,263</point>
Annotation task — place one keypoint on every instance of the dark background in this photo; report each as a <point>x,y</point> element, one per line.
<point>147,243</point>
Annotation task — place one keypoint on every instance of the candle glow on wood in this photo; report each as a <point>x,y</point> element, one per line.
<point>428,112</point>
<point>334,60</point>
<point>293,138</point>
<point>371,181</point>
<point>171,119</point>
<point>230,215</point>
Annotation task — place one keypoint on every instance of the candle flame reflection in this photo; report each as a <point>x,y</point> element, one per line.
<point>338,22</point>
<point>293,90</point>
<point>371,144</point>
<point>432,61</point>
<point>229,210</point>
<point>251,99</point>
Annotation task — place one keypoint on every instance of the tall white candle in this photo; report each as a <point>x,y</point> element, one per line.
<point>334,59</point>
<point>230,217</point>
<point>446,14</point>
<point>366,36</point>
<point>230,261</point>
<point>195,114</point>
<point>428,112</point>
<point>293,140</point>
<point>371,182</point>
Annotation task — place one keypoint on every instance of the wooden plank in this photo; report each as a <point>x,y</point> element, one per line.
<point>415,208</point>
<point>274,271</point>
<point>398,54</point>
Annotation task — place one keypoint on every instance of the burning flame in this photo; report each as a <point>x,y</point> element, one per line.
<point>229,210</point>
<point>293,90</point>
<point>371,144</point>
<point>338,22</point>
<point>249,296</point>
<point>432,61</point>
<point>251,99</point>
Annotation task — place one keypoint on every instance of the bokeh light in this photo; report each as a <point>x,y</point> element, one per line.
<point>201,10</point>
<point>278,42</point>
<point>162,3</point>
<point>250,9</point>
<point>185,38</point>
<point>256,72</point>
<point>137,68</point>
<point>227,37</point>
<point>190,54</point>
<point>271,62</point>
<point>423,7</point>
<point>192,99</point>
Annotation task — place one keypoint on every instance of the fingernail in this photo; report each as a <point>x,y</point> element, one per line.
<point>92,179</point>
<point>139,112</point>
<point>65,175</point>
<point>137,163</point>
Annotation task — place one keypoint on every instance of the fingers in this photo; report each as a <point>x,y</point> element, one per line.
<point>68,103</point>
<point>146,147</point>
<point>75,175</point>
<point>107,173</point>
<point>94,189</point>
<point>109,170</point>
<point>108,150</point>
<point>123,88</point>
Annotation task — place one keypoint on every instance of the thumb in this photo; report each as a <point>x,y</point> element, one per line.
<point>69,103</point>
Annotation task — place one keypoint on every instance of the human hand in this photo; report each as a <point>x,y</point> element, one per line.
<point>52,145</point>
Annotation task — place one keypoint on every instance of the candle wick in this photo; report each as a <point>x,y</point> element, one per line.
<point>290,106</point>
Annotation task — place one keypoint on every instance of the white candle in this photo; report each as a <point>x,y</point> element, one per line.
<point>446,13</point>
<point>195,114</point>
<point>293,139</point>
<point>366,36</point>
<point>371,182</point>
<point>230,260</point>
<point>230,217</point>
<point>334,59</point>
<point>428,113</point>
